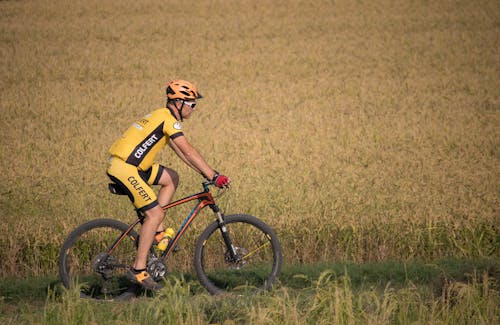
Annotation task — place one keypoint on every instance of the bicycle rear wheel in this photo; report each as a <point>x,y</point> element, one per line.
<point>256,266</point>
<point>85,264</point>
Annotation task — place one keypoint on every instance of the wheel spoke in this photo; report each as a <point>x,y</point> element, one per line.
<point>85,263</point>
<point>249,254</point>
<point>258,256</point>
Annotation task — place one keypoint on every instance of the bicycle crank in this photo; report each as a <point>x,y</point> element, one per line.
<point>101,265</point>
<point>157,269</point>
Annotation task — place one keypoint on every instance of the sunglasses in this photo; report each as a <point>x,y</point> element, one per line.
<point>190,104</point>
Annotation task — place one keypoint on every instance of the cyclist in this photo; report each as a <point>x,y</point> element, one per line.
<point>133,169</point>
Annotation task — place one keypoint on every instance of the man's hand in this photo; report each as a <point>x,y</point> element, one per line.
<point>221,180</point>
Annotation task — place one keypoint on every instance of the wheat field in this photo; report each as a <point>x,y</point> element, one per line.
<point>359,130</point>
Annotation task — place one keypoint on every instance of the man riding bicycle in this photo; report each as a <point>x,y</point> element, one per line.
<point>133,169</point>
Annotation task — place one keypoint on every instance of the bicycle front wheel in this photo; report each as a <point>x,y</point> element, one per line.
<point>85,261</point>
<point>255,267</point>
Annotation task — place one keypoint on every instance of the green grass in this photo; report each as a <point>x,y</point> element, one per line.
<point>392,292</point>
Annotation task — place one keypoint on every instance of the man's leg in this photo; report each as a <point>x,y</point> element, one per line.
<point>169,181</point>
<point>154,217</point>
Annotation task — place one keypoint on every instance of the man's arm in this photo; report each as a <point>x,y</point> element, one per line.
<point>191,156</point>
<point>179,153</point>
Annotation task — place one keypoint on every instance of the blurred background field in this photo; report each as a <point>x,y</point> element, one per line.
<point>361,131</point>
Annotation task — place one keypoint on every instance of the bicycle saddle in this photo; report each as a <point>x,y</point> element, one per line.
<point>116,189</point>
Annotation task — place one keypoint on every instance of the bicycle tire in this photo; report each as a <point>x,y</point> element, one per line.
<point>259,249</point>
<point>84,248</point>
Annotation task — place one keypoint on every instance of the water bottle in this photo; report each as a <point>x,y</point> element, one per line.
<point>167,235</point>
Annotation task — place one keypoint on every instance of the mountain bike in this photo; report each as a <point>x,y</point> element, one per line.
<point>237,254</point>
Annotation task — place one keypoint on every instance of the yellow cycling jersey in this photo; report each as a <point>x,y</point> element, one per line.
<point>140,144</point>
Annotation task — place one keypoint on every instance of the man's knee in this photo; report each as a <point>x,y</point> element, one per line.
<point>169,177</point>
<point>155,214</point>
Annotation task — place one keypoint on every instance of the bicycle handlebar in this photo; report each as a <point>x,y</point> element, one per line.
<point>206,185</point>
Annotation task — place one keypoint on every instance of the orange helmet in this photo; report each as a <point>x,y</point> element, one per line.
<point>182,89</point>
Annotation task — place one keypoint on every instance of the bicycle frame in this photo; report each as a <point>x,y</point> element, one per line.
<point>205,199</point>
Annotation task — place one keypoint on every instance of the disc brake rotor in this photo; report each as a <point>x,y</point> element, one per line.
<point>239,261</point>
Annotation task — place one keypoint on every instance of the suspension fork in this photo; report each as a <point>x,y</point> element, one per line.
<point>225,233</point>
